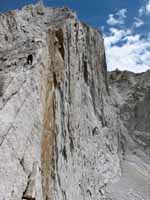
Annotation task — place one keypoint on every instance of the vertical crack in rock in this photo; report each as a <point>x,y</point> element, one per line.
<point>30,191</point>
<point>1,84</point>
<point>85,69</point>
<point>53,78</point>
<point>60,38</point>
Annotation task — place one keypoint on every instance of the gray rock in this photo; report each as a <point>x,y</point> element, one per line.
<point>132,92</point>
<point>62,135</point>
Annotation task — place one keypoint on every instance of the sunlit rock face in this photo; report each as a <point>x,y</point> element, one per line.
<point>58,137</point>
<point>62,128</point>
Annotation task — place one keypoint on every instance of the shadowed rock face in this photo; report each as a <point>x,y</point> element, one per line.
<point>133,99</point>
<point>64,134</point>
<point>134,92</point>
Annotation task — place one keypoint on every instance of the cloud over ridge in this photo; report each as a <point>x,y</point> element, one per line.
<point>118,18</point>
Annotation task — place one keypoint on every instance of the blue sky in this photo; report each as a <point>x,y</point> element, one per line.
<point>125,25</point>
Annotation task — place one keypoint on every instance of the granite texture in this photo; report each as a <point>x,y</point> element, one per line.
<point>63,129</point>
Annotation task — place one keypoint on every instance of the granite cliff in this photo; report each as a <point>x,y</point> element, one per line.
<point>68,129</point>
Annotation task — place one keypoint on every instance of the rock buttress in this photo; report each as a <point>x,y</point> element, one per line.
<point>87,127</point>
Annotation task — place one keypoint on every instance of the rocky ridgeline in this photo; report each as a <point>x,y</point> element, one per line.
<point>64,133</point>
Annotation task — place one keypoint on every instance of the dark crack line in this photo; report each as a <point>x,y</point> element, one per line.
<point>12,95</point>
<point>16,156</point>
<point>12,124</point>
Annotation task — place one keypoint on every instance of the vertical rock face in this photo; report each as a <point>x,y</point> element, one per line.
<point>60,127</point>
<point>57,138</point>
<point>85,149</point>
<point>132,93</point>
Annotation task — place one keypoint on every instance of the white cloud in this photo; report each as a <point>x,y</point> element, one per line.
<point>111,20</point>
<point>122,13</point>
<point>115,36</point>
<point>148,8</point>
<point>127,51</point>
<point>141,11</point>
<point>138,22</point>
<point>117,18</point>
<point>145,10</point>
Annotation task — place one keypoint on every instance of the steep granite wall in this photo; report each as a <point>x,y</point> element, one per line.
<point>58,137</point>
<point>64,133</point>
